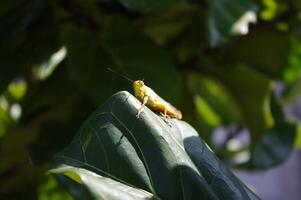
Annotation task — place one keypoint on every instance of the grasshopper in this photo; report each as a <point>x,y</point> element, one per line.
<point>150,98</point>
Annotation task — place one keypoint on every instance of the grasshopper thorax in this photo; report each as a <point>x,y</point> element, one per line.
<point>139,89</point>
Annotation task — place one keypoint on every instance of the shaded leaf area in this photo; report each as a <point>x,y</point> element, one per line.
<point>15,17</point>
<point>34,50</point>
<point>131,53</point>
<point>56,115</point>
<point>148,5</point>
<point>252,98</point>
<point>212,94</point>
<point>167,159</point>
<point>212,104</point>
<point>250,92</point>
<point>266,51</point>
<point>274,147</point>
<point>272,136</point>
<point>293,70</point>
<point>47,126</point>
<point>25,46</point>
<point>228,18</point>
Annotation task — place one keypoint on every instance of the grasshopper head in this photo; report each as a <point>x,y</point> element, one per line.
<point>138,83</point>
<point>139,88</point>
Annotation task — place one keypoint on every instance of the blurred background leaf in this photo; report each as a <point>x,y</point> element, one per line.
<point>228,18</point>
<point>147,5</point>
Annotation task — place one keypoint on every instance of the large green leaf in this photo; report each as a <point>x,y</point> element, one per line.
<point>147,5</point>
<point>167,159</point>
<point>228,18</point>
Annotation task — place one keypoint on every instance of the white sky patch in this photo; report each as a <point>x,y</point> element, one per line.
<point>241,27</point>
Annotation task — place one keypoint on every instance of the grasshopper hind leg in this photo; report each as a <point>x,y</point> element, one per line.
<point>165,118</point>
<point>165,115</point>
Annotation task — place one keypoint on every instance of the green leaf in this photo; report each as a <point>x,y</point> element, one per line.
<point>293,70</point>
<point>216,97</point>
<point>212,104</point>
<point>270,9</point>
<point>51,116</point>
<point>195,38</point>
<point>274,147</point>
<point>148,5</point>
<point>133,52</point>
<point>35,49</point>
<point>264,50</point>
<point>165,30</point>
<point>124,48</point>
<point>298,137</point>
<point>167,159</point>
<point>5,119</point>
<point>251,91</point>
<point>276,144</point>
<point>100,187</point>
<point>17,89</point>
<point>228,18</point>
<point>18,49</point>
<point>88,68</point>
<point>49,190</point>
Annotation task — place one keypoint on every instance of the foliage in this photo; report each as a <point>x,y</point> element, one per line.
<point>220,61</point>
<point>165,158</point>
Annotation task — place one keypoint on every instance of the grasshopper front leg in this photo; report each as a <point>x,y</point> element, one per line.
<point>145,99</point>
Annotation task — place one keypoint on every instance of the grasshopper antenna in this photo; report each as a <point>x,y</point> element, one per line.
<point>127,78</point>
